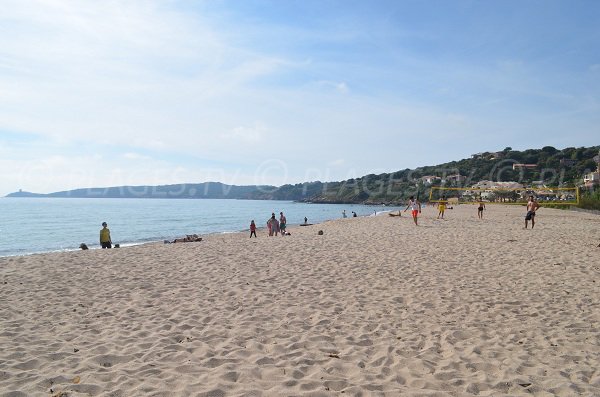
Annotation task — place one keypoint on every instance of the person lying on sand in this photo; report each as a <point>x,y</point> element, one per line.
<point>190,238</point>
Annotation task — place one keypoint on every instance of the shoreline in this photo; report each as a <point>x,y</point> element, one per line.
<point>380,213</point>
<point>149,242</point>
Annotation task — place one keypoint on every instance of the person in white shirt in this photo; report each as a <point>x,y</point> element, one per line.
<point>415,204</point>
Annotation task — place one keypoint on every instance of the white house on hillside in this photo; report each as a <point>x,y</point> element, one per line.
<point>591,179</point>
<point>429,179</point>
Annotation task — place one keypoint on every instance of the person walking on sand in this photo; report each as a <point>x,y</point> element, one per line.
<point>442,207</point>
<point>105,240</point>
<point>415,204</point>
<point>252,229</point>
<point>532,206</point>
<point>480,209</point>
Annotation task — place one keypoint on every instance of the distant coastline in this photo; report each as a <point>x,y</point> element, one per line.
<point>547,166</point>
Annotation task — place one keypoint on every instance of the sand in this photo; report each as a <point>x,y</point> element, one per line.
<point>373,307</point>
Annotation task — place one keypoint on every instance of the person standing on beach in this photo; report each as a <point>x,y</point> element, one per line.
<point>270,225</point>
<point>253,229</point>
<point>480,209</point>
<point>282,223</point>
<point>442,207</point>
<point>105,240</point>
<point>275,225</point>
<point>532,206</point>
<point>415,204</point>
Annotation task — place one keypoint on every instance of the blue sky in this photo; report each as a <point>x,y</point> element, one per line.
<point>252,92</point>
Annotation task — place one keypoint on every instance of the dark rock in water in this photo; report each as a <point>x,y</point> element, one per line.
<point>320,233</point>
<point>117,245</point>
<point>83,246</point>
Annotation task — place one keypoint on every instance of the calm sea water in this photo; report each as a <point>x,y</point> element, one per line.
<point>33,225</point>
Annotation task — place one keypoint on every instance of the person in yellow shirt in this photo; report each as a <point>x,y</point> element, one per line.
<point>442,207</point>
<point>105,240</point>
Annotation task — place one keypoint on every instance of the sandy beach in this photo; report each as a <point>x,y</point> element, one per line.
<point>373,307</point>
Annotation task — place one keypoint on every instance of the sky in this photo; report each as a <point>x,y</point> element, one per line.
<point>110,93</point>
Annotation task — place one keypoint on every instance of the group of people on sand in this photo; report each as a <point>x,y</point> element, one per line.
<point>274,226</point>
<point>278,226</point>
<point>415,205</point>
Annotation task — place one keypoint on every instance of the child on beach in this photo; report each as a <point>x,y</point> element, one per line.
<point>252,229</point>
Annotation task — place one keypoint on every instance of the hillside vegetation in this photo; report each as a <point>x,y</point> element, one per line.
<point>554,168</point>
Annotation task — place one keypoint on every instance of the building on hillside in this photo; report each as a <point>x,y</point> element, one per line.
<point>508,185</point>
<point>457,178</point>
<point>591,179</point>
<point>538,184</point>
<point>524,166</point>
<point>494,191</point>
<point>483,185</point>
<point>429,179</point>
<point>497,185</point>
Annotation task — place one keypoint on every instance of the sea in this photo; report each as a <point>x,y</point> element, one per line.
<point>36,225</point>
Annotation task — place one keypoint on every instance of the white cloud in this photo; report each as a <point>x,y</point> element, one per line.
<point>122,72</point>
<point>135,156</point>
<point>341,87</point>
<point>246,134</point>
<point>336,163</point>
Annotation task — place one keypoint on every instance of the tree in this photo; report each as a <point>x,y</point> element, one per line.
<point>549,149</point>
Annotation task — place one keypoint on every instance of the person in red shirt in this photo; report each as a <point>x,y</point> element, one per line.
<point>253,229</point>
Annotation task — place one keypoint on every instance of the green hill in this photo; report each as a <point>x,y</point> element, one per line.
<point>554,167</point>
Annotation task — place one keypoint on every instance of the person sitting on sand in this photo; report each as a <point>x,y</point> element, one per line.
<point>415,204</point>
<point>105,240</point>
<point>252,229</point>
